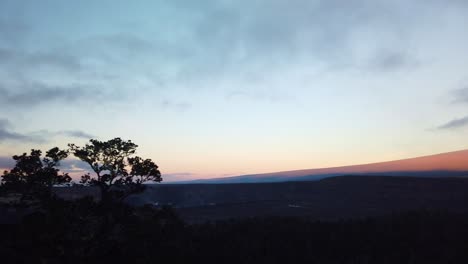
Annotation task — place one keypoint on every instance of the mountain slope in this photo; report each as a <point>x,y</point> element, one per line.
<point>446,164</point>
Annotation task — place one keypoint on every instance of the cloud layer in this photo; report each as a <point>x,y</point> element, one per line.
<point>229,39</point>
<point>261,82</point>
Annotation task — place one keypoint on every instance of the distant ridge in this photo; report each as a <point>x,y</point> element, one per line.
<point>450,164</point>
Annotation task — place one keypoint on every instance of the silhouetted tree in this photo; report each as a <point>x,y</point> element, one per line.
<point>118,173</point>
<point>33,177</point>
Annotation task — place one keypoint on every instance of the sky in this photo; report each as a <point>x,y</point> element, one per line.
<point>221,88</point>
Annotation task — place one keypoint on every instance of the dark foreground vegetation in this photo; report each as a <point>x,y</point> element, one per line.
<point>45,228</point>
<point>87,232</point>
<point>326,199</point>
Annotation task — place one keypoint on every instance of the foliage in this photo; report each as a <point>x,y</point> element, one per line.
<point>118,173</point>
<point>33,177</point>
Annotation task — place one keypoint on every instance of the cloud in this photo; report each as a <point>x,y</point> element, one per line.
<point>73,165</point>
<point>460,95</point>
<point>455,123</point>
<point>325,31</point>
<point>180,106</point>
<point>45,135</point>
<point>76,134</point>
<point>209,41</point>
<point>4,123</point>
<point>392,61</point>
<point>123,42</point>
<point>221,46</point>
<point>36,94</point>
<point>12,136</point>
<point>21,59</point>
<point>7,135</point>
<point>37,136</point>
<point>259,95</point>
<point>42,79</point>
<point>52,75</point>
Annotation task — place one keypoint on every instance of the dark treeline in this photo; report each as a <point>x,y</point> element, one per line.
<point>87,232</point>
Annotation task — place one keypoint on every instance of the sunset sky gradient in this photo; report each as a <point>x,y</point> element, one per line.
<point>221,88</point>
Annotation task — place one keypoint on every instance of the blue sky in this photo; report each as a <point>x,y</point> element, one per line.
<point>214,88</point>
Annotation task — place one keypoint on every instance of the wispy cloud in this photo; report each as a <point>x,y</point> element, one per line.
<point>455,123</point>
<point>76,134</point>
<point>7,135</point>
<point>460,96</point>
<point>46,135</point>
<point>37,93</point>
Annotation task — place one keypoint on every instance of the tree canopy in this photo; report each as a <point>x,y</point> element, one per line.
<point>118,172</point>
<point>33,176</point>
